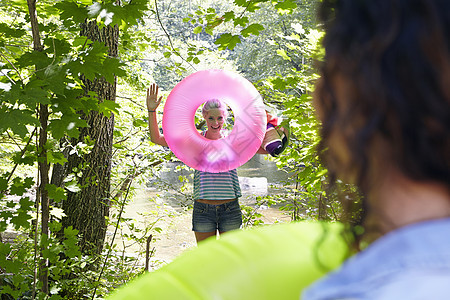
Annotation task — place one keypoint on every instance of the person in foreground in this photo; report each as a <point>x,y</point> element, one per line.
<point>384,101</point>
<point>216,206</point>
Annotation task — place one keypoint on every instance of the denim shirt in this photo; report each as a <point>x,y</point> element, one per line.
<point>410,263</point>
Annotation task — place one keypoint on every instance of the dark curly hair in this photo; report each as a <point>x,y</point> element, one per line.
<point>384,93</point>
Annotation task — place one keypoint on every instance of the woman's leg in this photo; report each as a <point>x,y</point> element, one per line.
<point>200,236</point>
<point>203,221</point>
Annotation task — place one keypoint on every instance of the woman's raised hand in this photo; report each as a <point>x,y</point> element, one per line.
<point>152,97</point>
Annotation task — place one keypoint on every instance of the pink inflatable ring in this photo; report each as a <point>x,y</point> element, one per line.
<point>214,155</point>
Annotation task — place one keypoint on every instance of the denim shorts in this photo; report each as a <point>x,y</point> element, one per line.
<point>222,217</point>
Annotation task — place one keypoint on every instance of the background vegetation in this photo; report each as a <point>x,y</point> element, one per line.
<point>73,139</point>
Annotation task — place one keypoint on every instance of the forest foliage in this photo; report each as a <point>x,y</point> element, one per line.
<point>275,44</point>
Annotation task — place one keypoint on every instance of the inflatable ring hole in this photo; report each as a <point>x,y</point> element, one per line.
<point>183,137</point>
<point>202,124</point>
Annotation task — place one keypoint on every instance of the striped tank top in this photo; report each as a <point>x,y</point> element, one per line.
<point>216,186</point>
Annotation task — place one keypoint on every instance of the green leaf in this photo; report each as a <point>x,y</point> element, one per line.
<point>68,124</point>
<point>242,3</point>
<point>113,67</point>
<point>19,186</point>
<point>89,103</point>
<point>57,47</point>
<point>107,107</point>
<point>229,15</point>
<point>278,84</point>
<point>139,123</point>
<point>71,248</point>
<point>86,2</point>
<point>10,265</point>
<point>286,6</point>
<point>17,120</point>
<point>227,40</point>
<point>35,58</point>
<point>283,54</point>
<point>56,157</point>
<point>55,226</point>
<point>250,5</point>
<point>198,29</point>
<point>34,93</point>
<point>128,14</point>
<point>80,41</point>
<point>241,21</point>
<point>52,252</point>
<point>26,204</point>
<point>57,83</point>
<point>118,146</point>
<point>21,219</point>
<point>3,184</point>
<point>69,10</point>
<point>209,30</point>
<point>11,32</point>
<point>91,63</point>
<point>55,192</point>
<point>252,29</point>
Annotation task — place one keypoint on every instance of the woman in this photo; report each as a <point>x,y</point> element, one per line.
<point>384,101</point>
<point>216,206</point>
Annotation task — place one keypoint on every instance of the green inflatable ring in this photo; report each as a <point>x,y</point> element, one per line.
<point>271,262</point>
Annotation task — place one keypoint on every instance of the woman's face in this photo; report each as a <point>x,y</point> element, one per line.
<point>215,118</point>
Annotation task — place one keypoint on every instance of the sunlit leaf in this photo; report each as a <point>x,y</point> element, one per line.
<point>107,107</point>
<point>283,54</point>
<point>252,29</point>
<point>227,40</point>
<point>198,29</point>
<point>285,6</point>
<point>242,21</point>
<point>57,212</point>
<point>73,187</point>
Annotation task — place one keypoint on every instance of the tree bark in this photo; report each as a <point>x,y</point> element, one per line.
<point>87,210</point>
<point>37,46</point>
<point>45,210</point>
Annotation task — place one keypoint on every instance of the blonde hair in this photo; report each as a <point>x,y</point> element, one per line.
<point>213,104</point>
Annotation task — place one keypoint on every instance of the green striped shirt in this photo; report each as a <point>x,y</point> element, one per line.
<point>216,186</point>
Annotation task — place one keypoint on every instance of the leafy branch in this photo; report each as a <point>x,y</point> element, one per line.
<point>17,164</point>
<point>13,66</point>
<point>168,36</point>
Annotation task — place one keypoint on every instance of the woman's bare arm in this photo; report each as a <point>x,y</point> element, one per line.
<point>152,104</point>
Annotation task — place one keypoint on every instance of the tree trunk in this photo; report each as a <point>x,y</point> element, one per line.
<point>45,209</point>
<point>43,165</point>
<point>323,214</point>
<point>86,210</point>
